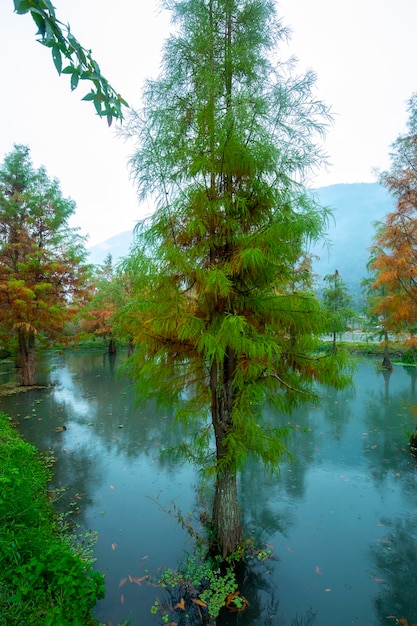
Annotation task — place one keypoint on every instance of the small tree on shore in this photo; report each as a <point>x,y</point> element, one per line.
<point>42,259</point>
<point>336,299</point>
<point>221,303</point>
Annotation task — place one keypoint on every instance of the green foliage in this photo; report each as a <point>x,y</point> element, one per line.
<point>222,311</point>
<point>214,269</point>
<point>65,48</point>
<point>336,299</point>
<point>46,577</point>
<point>198,582</point>
<point>410,356</point>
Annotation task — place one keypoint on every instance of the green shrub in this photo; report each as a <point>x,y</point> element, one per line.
<point>45,576</point>
<point>409,357</point>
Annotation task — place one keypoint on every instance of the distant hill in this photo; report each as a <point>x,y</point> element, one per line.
<point>355,208</point>
<point>118,246</point>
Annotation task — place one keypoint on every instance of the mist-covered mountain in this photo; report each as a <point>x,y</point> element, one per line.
<point>118,246</point>
<point>355,208</point>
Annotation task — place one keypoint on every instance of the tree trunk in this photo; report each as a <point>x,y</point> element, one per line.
<point>26,339</point>
<point>386,361</point>
<point>112,345</point>
<point>226,521</point>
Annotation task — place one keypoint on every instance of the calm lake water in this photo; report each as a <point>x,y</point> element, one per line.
<point>341,518</point>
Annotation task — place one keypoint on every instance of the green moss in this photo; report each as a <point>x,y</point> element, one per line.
<point>45,577</point>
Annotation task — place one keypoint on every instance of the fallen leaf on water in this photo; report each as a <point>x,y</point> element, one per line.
<point>318,570</point>
<point>374,446</point>
<point>113,546</point>
<point>327,590</point>
<point>198,601</point>
<point>378,580</point>
<point>231,597</point>
<point>138,581</point>
<point>111,487</point>
<point>180,605</point>
<point>122,582</point>
<point>144,557</point>
<point>122,599</point>
<point>239,607</point>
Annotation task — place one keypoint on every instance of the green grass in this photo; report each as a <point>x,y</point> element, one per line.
<point>46,578</point>
<point>363,348</point>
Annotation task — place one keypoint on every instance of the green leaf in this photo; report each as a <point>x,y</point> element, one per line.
<point>97,103</point>
<point>70,69</point>
<point>57,58</point>
<point>122,101</point>
<point>50,7</point>
<point>40,22</point>
<point>74,80</point>
<point>89,96</point>
<point>22,6</point>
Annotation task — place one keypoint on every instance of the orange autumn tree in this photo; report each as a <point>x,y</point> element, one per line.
<point>395,263</point>
<point>42,259</point>
<point>106,296</point>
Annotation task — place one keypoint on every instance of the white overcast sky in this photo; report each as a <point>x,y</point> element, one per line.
<point>363,51</point>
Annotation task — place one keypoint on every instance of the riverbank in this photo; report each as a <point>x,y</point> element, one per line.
<point>46,576</point>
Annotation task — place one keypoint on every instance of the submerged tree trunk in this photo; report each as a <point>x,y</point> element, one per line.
<point>26,340</point>
<point>226,521</point>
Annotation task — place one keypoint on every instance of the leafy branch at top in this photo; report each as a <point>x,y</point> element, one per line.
<point>66,48</point>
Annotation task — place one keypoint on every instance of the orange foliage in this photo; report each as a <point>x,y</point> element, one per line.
<point>395,262</point>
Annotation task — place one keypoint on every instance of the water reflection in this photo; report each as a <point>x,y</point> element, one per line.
<point>395,562</point>
<point>340,518</point>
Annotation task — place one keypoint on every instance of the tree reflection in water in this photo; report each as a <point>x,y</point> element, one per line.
<point>395,564</point>
<point>352,472</point>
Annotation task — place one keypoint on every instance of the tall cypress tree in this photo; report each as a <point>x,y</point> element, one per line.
<point>42,260</point>
<point>222,304</point>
